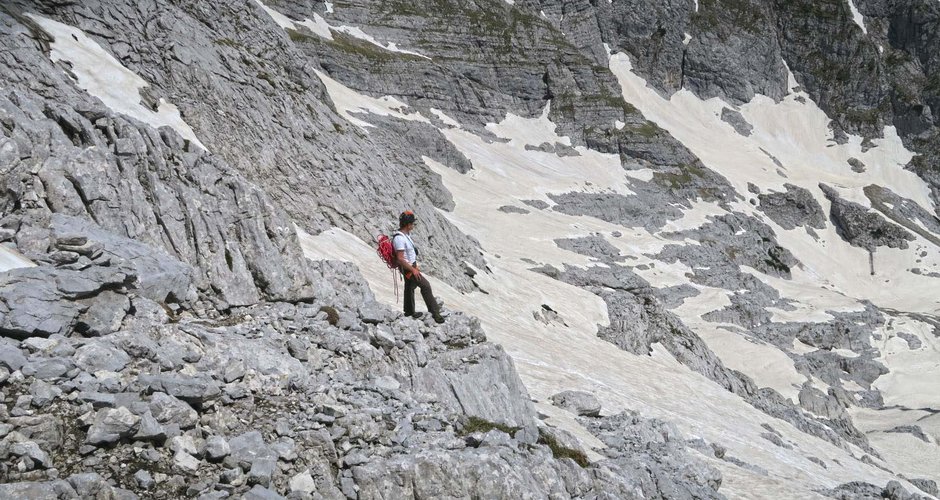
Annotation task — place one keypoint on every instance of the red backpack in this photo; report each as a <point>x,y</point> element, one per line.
<point>386,251</point>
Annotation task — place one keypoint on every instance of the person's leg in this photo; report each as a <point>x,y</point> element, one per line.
<point>409,296</point>
<point>429,299</point>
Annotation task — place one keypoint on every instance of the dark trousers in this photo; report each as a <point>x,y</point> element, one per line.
<point>410,284</point>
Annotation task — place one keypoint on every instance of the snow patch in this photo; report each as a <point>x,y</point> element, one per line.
<point>913,379</point>
<point>686,39</point>
<point>11,259</point>
<point>857,17</point>
<point>348,101</point>
<point>101,75</point>
<point>281,20</point>
<point>522,131</point>
<point>444,118</point>
<point>391,46</point>
<point>321,28</point>
<point>318,26</point>
<point>797,133</point>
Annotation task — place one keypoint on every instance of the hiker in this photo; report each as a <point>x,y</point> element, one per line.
<point>407,256</point>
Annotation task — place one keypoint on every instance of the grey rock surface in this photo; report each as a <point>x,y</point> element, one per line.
<point>794,207</point>
<point>736,120</point>
<point>110,425</point>
<point>863,228</point>
<point>578,402</point>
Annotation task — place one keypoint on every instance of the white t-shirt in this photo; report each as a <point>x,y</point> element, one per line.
<point>401,241</point>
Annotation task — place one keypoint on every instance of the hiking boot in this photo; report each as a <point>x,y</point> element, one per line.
<point>438,318</point>
<point>416,315</point>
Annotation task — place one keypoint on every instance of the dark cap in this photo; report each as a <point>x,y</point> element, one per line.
<point>406,217</point>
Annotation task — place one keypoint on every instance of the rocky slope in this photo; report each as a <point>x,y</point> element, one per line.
<point>718,216</point>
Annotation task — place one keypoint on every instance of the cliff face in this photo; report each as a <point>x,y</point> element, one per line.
<point>718,216</point>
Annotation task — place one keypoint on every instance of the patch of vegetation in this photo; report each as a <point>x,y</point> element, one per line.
<point>775,263</point>
<point>740,13</point>
<point>819,9</point>
<point>559,451</point>
<point>681,179</point>
<point>477,424</point>
<point>298,36</point>
<point>227,42</point>
<point>867,117</point>
<point>232,320</point>
<point>648,130</point>
<point>368,50</point>
<point>268,78</point>
<point>332,316</point>
<point>489,22</point>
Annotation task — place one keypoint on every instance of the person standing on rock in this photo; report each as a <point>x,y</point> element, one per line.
<point>407,256</point>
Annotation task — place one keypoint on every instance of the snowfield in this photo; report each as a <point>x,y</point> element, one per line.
<point>552,357</point>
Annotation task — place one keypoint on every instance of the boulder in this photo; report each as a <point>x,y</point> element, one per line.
<point>217,448</point>
<point>167,409</point>
<point>578,402</point>
<point>303,483</point>
<point>32,304</point>
<point>105,314</point>
<point>247,449</point>
<point>96,356</point>
<point>110,425</point>
<point>159,276</point>
<point>11,356</point>
<point>195,390</point>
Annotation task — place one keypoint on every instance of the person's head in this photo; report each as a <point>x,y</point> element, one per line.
<point>406,220</point>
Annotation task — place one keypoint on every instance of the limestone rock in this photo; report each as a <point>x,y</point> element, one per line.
<point>110,425</point>
<point>105,314</point>
<point>578,402</point>
<point>95,357</point>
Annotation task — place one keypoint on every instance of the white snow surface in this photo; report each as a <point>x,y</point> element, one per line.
<point>101,75</point>
<point>797,134</point>
<point>444,118</point>
<point>323,29</point>
<point>11,259</point>
<point>348,102</point>
<point>834,275</point>
<point>857,16</point>
<point>550,357</point>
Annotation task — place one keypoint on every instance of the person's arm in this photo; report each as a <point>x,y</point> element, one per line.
<point>406,266</point>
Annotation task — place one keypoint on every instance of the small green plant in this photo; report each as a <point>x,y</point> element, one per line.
<point>267,77</point>
<point>559,451</point>
<point>477,424</point>
<point>227,42</point>
<point>647,130</point>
